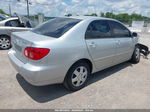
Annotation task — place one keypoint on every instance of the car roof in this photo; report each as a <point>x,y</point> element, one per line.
<point>89,18</point>
<point>12,18</point>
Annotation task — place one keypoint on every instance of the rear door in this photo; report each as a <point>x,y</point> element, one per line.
<point>100,43</point>
<point>123,42</point>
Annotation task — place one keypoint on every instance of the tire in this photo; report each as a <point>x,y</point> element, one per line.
<point>5,42</point>
<point>77,76</point>
<point>136,55</point>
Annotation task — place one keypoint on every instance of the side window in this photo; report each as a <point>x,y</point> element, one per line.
<point>8,23</point>
<point>119,30</point>
<point>13,23</point>
<point>98,29</point>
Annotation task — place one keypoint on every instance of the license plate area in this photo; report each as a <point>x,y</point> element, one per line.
<point>19,45</point>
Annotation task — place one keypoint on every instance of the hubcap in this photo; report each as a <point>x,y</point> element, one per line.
<point>137,54</point>
<point>4,43</point>
<point>79,76</point>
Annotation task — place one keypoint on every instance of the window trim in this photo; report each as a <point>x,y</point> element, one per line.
<point>100,37</point>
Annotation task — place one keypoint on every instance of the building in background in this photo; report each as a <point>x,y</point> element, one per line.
<point>140,26</point>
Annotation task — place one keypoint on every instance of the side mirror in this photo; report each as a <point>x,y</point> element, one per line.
<point>134,34</point>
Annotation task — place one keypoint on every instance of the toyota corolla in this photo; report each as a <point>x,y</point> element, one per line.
<point>68,49</point>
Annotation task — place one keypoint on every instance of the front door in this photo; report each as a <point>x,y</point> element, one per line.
<point>123,40</point>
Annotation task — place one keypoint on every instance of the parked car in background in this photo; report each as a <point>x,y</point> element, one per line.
<point>10,25</point>
<point>67,50</point>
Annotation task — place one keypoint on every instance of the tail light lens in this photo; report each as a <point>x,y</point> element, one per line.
<point>36,53</point>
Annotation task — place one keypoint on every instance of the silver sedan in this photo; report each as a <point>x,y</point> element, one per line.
<point>68,49</point>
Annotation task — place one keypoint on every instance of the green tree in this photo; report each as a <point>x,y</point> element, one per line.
<point>109,14</point>
<point>3,12</point>
<point>93,14</point>
<point>125,17</point>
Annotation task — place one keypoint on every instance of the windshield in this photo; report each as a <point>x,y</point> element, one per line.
<point>56,27</point>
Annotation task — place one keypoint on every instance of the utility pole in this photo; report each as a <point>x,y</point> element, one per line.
<point>27,7</point>
<point>10,9</point>
<point>27,1</point>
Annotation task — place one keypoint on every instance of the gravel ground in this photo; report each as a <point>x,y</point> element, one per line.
<point>125,86</point>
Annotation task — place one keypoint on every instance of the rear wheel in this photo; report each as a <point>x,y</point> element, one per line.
<point>5,42</point>
<point>77,76</point>
<point>136,55</point>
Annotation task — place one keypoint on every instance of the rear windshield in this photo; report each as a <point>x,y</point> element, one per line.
<point>56,27</point>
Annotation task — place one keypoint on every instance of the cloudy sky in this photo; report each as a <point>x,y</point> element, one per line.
<point>78,7</point>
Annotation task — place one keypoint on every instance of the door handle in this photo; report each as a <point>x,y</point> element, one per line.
<point>92,44</point>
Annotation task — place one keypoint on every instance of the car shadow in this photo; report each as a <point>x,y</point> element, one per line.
<point>44,94</point>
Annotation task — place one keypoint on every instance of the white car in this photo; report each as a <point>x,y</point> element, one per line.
<point>10,25</point>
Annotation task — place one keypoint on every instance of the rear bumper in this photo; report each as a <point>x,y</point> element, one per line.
<point>37,75</point>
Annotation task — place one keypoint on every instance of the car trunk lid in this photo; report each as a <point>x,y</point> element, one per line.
<point>21,40</point>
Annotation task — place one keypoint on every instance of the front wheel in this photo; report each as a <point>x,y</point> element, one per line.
<point>5,42</point>
<point>77,76</point>
<point>136,55</point>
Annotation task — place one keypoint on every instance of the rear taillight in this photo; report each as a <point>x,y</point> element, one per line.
<point>36,53</point>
